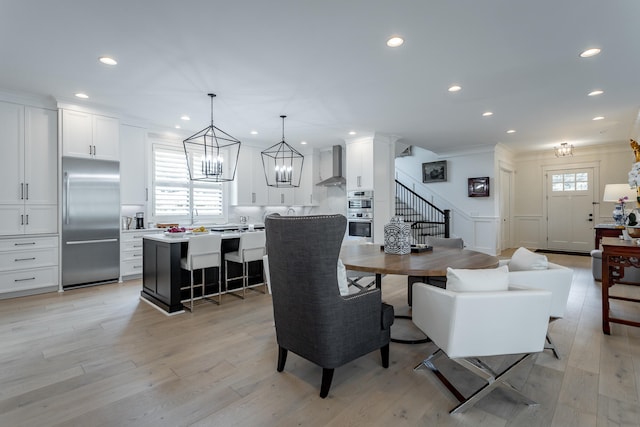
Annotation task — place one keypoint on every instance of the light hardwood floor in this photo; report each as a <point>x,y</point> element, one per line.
<point>101,357</point>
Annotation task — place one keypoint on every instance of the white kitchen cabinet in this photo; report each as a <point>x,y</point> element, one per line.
<point>280,196</point>
<point>133,185</point>
<point>28,170</point>
<point>360,165</point>
<point>41,156</point>
<point>28,219</point>
<point>12,160</point>
<point>306,194</point>
<point>249,187</point>
<point>89,135</point>
<point>259,185</point>
<point>242,187</point>
<point>28,266</point>
<point>131,252</point>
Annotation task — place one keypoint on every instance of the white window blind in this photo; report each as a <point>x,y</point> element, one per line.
<point>175,195</point>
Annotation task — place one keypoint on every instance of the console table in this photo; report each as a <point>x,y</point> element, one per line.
<point>606,230</point>
<point>616,256</point>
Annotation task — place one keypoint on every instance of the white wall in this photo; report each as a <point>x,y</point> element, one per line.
<point>612,162</point>
<point>475,219</point>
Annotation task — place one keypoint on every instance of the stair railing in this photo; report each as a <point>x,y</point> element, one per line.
<point>426,219</point>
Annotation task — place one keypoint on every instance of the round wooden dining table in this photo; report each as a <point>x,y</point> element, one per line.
<point>432,263</point>
<point>417,266</point>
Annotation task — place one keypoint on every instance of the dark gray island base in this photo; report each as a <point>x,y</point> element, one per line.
<point>163,278</point>
<point>161,274</point>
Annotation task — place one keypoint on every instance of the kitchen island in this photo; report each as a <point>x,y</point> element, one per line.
<point>162,276</point>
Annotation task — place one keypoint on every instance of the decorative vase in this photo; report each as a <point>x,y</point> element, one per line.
<point>397,237</point>
<point>618,215</point>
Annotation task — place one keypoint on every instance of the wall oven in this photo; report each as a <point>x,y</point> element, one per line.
<point>362,228</point>
<point>360,200</point>
<point>360,214</point>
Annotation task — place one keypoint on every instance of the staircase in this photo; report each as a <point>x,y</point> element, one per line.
<point>425,218</point>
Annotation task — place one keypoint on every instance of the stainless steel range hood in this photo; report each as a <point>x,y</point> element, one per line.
<point>337,178</point>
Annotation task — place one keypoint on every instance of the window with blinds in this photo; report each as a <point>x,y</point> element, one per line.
<point>176,197</point>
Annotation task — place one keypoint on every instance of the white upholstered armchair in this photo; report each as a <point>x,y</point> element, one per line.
<point>469,325</point>
<point>556,279</point>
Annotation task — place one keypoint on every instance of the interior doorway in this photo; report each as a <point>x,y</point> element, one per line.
<point>506,181</point>
<point>570,208</point>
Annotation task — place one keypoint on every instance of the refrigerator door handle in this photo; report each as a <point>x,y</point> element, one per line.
<point>66,201</point>
<point>82,242</point>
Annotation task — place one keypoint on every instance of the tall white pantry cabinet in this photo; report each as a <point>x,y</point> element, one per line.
<point>28,199</point>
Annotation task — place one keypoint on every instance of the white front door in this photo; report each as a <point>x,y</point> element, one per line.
<point>570,196</point>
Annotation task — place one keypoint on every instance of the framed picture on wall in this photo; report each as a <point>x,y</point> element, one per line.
<point>479,187</point>
<point>434,171</point>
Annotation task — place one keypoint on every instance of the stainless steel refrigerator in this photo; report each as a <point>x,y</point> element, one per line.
<point>90,221</point>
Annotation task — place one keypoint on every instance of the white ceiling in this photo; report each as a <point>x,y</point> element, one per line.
<point>325,65</point>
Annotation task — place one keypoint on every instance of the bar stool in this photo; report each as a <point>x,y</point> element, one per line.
<point>250,248</point>
<point>203,252</point>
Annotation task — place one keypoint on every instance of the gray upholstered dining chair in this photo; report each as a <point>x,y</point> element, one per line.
<point>312,319</point>
<point>436,242</point>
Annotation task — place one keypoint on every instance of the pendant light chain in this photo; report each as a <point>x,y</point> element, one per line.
<point>283,117</point>
<point>212,95</point>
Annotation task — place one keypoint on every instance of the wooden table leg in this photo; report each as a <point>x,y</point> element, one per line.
<point>605,294</point>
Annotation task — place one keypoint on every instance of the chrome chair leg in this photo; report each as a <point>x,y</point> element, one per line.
<point>479,368</point>
<point>226,281</point>
<point>191,289</point>
<point>551,346</point>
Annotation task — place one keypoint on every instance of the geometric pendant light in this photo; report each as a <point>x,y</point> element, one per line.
<point>282,164</point>
<point>212,154</point>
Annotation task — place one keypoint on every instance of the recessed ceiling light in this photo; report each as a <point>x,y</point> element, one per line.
<point>590,52</point>
<point>254,132</point>
<point>598,118</point>
<point>395,41</point>
<point>487,114</point>
<point>107,60</point>
<point>455,88</point>
<point>178,126</point>
<point>596,92</point>
<point>352,132</point>
<point>303,142</point>
<point>186,118</point>
<point>511,131</point>
<point>82,95</point>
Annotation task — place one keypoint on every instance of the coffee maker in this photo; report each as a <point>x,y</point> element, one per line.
<point>139,220</point>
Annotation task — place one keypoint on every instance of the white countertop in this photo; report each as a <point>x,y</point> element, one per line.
<point>163,237</point>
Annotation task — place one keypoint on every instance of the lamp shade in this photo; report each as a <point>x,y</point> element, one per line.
<point>614,192</point>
